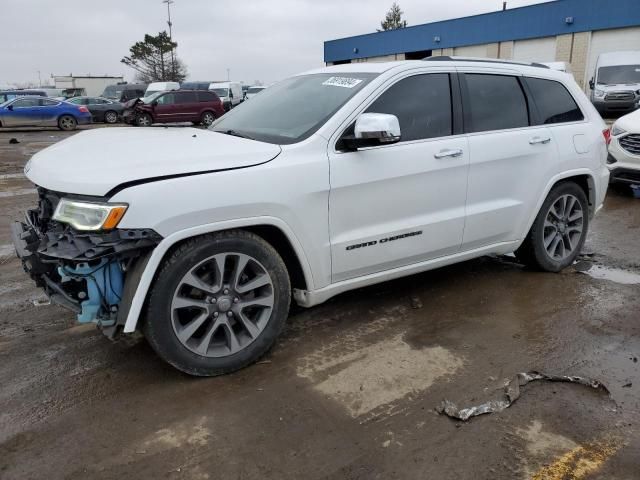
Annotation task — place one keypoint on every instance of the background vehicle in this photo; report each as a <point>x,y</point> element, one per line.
<point>197,106</point>
<point>615,86</point>
<point>253,91</point>
<point>229,92</point>
<point>11,94</point>
<point>560,66</point>
<point>102,109</point>
<point>123,92</point>
<point>195,85</point>
<point>156,87</point>
<point>624,149</point>
<point>37,111</point>
<point>472,158</point>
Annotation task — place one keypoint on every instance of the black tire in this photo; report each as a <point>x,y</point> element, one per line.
<point>110,117</point>
<point>158,325</point>
<point>207,118</point>
<point>144,120</point>
<point>533,252</point>
<point>67,123</point>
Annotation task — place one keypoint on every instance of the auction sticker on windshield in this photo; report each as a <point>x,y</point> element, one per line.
<point>345,82</point>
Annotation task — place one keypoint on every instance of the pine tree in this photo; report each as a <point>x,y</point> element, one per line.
<point>393,19</point>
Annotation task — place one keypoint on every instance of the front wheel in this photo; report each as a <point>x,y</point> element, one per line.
<point>559,231</point>
<point>144,120</point>
<point>218,304</point>
<point>67,123</point>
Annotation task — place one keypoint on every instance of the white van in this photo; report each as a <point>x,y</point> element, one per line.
<point>156,87</point>
<point>229,92</point>
<point>616,82</point>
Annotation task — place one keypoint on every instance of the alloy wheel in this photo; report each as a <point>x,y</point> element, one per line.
<point>67,123</point>
<point>222,304</point>
<point>207,119</point>
<point>563,227</point>
<point>110,117</point>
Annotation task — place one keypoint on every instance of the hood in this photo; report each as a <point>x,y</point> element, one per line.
<point>629,122</point>
<point>96,161</point>
<point>618,87</point>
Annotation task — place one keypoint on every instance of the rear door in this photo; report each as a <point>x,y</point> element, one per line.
<point>49,111</point>
<point>25,112</point>
<point>510,156</point>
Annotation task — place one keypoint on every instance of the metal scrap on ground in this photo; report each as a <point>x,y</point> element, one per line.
<point>511,394</point>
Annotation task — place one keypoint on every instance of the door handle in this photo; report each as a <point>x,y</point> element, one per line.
<point>537,140</point>
<point>448,153</point>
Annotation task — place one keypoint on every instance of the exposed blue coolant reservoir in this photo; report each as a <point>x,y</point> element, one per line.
<point>104,290</point>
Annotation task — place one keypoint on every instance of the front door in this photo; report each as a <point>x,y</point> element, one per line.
<point>26,112</point>
<point>165,109</point>
<point>399,204</point>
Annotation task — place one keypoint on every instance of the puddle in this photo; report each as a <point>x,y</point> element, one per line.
<point>623,277</point>
<point>379,374</point>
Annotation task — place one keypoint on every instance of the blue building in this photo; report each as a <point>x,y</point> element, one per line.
<point>570,31</point>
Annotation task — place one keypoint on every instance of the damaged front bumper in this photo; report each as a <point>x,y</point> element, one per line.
<point>86,272</point>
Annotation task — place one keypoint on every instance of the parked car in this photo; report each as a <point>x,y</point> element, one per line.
<point>615,87</point>
<point>11,94</point>
<point>199,107</point>
<point>123,92</point>
<point>229,92</point>
<point>157,87</point>
<point>102,109</point>
<point>328,181</point>
<point>624,149</point>
<point>253,91</point>
<point>38,111</point>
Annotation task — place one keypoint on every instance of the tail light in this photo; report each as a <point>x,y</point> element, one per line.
<point>607,135</point>
<point>83,109</point>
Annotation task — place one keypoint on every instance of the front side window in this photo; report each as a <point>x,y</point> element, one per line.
<point>422,104</point>
<point>221,92</point>
<point>555,104</point>
<point>494,102</point>
<point>293,109</point>
<point>26,102</point>
<point>167,99</point>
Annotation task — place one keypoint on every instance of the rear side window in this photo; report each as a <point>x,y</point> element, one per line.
<point>494,102</point>
<point>48,102</point>
<point>207,97</point>
<point>186,97</point>
<point>422,104</point>
<point>555,104</point>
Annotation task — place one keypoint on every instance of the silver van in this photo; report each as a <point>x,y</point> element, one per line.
<point>615,85</point>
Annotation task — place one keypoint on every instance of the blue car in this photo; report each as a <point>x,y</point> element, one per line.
<point>35,111</point>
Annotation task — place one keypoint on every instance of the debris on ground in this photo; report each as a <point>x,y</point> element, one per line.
<point>511,394</point>
<point>13,141</point>
<point>416,303</point>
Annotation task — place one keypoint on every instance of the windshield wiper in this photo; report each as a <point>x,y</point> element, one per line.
<point>235,134</point>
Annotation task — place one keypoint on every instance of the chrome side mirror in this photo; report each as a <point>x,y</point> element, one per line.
<point>373,129</point>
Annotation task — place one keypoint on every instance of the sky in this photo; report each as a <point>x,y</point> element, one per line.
<point>255,39</point>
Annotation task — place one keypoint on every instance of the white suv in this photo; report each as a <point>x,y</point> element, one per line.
<point>624,149</point>
<point>327,181</point>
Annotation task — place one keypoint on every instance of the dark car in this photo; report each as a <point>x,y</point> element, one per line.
<point>11,94</point>
<point>123,92</point>
<point>197,106</point>
<point>102,109</point>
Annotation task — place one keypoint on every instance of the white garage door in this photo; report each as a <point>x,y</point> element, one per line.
<point>611,41</point>
<point>471,51</point>
<point>536,50</point>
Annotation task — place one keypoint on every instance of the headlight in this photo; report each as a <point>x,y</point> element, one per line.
<point>615,130</point>
<point>89,216</point>
<point>599,93</point>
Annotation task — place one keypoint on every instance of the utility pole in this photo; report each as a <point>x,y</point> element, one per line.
<point>228,75</point>
<point>39,79</point>
<point>173,58</point>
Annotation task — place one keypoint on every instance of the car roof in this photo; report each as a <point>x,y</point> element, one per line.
<point>619,58</point>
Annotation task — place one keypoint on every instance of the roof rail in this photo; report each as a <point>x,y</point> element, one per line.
<point>447,58</point>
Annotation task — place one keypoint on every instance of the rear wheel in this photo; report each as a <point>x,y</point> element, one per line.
<point>144,120</point>
<point>559,231</point>
<point>218,304</point>
<point>110,117</point>
<point>67,123</point>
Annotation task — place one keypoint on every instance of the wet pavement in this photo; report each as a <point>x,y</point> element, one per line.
<point>351,389</point>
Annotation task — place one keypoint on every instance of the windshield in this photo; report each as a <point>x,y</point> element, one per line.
<point>619,74</point>
<point>151,96</point>
<point>113,92</point>
<point>303,104</point>
<point>221,92</point>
